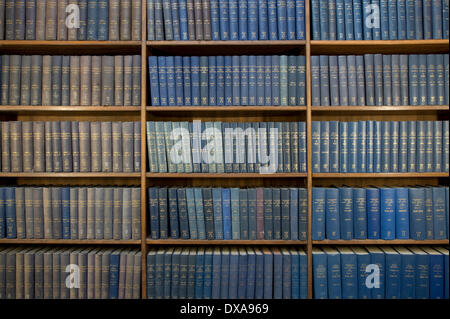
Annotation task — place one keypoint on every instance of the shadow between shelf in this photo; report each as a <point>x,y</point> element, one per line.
<point>223,242</point>
<point>380,175</point>
<point>70,242</point>
<point>380,242</point>
<point>70,110</point>
<point>225,175</point>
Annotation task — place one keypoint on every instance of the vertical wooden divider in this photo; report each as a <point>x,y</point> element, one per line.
<point>308,146</point>
<point>143,150</point>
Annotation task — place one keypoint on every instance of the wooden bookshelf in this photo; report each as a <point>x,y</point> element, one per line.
<point>146,112</point>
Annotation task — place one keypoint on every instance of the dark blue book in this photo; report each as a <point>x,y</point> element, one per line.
<point>370,135</point>
<point>243,20</point>
<point>377,257</point>
<point>234,274</point>
<point>163,213</point>
<point>228,80</point>
<point>320,274</point>
<point>384,19</point>
<point>263,26</point>
<point>437,273</point>
<point>244,80</point>
<point>179,87</point>
<point>276,213</point>
<point>378,79</point>
<point>332,224</point>
<point>357,19</point>
<point>65,212</point>
<point>437,20</point>
<point>360,213</point>
<point>300,20</point>
<point>252,219</point>
<point>195,80</point>
<point>417,213</point>
<point>401,19</point>
<point>277,274</point>
<point>394,132</point>
<point>114,264</point>
<point>349,25</point>
<point>2,212</point>
<point>9,213</point>
<point>226,213</point>
<point>173,213</point>
<point>92,19</point>
<point>323,16</point>
<point>272,19</point>
<point>293,214</point>
<point>301,80</point>
<point>234,19</point>
<point>445,149</point>
<point>207,273</point>
<point>412,146</point>
<point>154,80</point>
<point>387,79</point>
<point>413,70</point>
<point>386,146</point>
<point>162,80</point>
<point>282,17</point>
<point>393,20</point>
<point>276,78</point>
<point>439,216</point>
<point>324,147</point>
<point>361,147</point>
<point>191,272</point>
<point>392,273</point>
<point>422,273</point>
<point>252,19</point>
<point>183,16</point>
<point>343,80</point>
<point>200,213</point>
<point>187,80</point>
<point>340,20</point>
<point>224,20</point>
<point>318,208</point>
<point>346,212</point>
<point>315,18</point>
<point>367,28</point>
<point>103,20</point>
<point>376,30</point>
<point>343,147</point>
<point>315,81</point>
<point>373,213</point>
<point>369,79</point>
<point>363,260</point>
<point>268,273</point>
<point>410,19</point>
<point>324,81</point>
<point>251,273</point>
<point>403,147</point>
<point>349,273</point>
<point>423,78</point>
<point>225,272</point>
<point>387,212</point>
<point>204,81</point>
<point>407,275</point>
<point>171,86</point>
<point>315,141</point>
<point>168,26</point>
<point>183,213</point>
<point>421,143</point>
<point>216,273</point>
<point>190,205</point>
<point>242,276</point>
<point>402,213</point>
<point>352,162</point>
<point>199,273</point>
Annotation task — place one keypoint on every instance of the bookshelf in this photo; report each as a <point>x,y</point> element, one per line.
<point>240,113</point>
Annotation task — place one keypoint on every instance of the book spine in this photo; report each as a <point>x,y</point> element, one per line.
<point>272,19</point>
<point>332,219</point>
<point>378,76</point>
<point>403,147</point>
<point>349,25</point>
<point>206,13</point>
<point>346,212</point>
<point>25,80</point>
<point>360,219</point>
<point>352,147</point>
<point>30,22</point>
<point>215,20</point>
<point>315,18</point>
<point>263,27</point>
<point>290,17</point>
<point>352,80</point>
<point>343,80</point>
<point>401,18</point>
<point>136,20</point>
<point>402,213</point>
<point>19,20</point>
<point>357,19</point>
<point>369,79</point>
<point>417,213</point>
<point>318,208</point>
<point>96,147</point>
<point>282,20</point>
<point>103,18</point>
<point>198,20</point>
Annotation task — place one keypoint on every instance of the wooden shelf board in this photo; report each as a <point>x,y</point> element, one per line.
<point>226,43</point>
<point>70,242</point>
<point>71,175</point>
<point>222,242</point>
<point>379,46</point>
<point>70,47</point>
<point>379,175</point>
<point>225,175</point>
<point>379,108</point>
<point>90,109</point>
<point>380,242</point>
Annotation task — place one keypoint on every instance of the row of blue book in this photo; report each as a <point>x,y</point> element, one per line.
<point>70,213</point>
<point>226,20</point>
<point>380,146</point>
<point>419,213</point>
<point>70,80</point>
<point>227,273</point>
<point>376,79</point>
<point>227,80</point>
<point>228,213</point>
<point>226,147</point>
<point>86,20</point>
<point>379,19</point>
<point>70,146</point>
<point>380,272</point>
<point>69,273</point>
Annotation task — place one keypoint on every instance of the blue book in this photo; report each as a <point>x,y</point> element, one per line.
<point>421,146</point>
<point>260,80</point>
<point>417,213</point>
<point>387,79</point>
<point>179,87</point>
<point>357,19</point>
<point>402,213</point>
<point>242,275</point>
<point>300,20</point>
<point>266,72</point>
<point>225,273</point>
<point>276,213</point>
<point>268,273</point>
<point>154,80</point>
<point>252,18</point>
<point>377,257</point>
<point>252,219</point>
<point>393,20</point>
<point>175,20</point>
<point>154,212</point>
<point>199,273</point>
<point>410,19</point>
<point>318,208</point>
<point>407,273</point>
<point>92,26</point>
<point>315,18</point>
<point>243,213</point>
<point>173,213</point>
<point>340,20</point>
<point>324,81</point>
<point>293,213</point>
<point>427,19</point>
<point>378,79</point>
<point>373,213</point>
<point>315,150</point>
<point>436,22</point>
<point>346,212</point>
<point>292,80</point>
<point>303,274</point>
<point>378,143</point>
<point>370,135</point>
<point>429,213</point>
<point>276,100</point>
<point>320,274</point>
<point>324,147</point>
<point>234,19</point>
<point>343,80</point>
<point>349,273</point>
<point>439,219</point>
<point>200,216</point>
<point>301,80</point>
<point>244,81</point>
<point>422,273</point>
<point>352,80</point>
<point>437,276</point>
<point>252,80</point>
<point>315,81</point>
<point>323,16</point>
<point>195,80</point>
<point>103,18</point>
<point>419,20</point>
<point>114,264</point>
<point>228,80</point>
<point>361,147</point>
<point>283,80</point>
<point>384,19</point>
<point>170,74</point>
<point>401,19</point>
<point>263,26</point>
<point>209,92</point>
<point>445,20</point>
<point>216,272</point>
<point>207,273</point>
<point>10,213</point>
<point>386,146</point>
<point>332,214</point>
<point>363,260</point>
<point>431,92</point>
<point>187,80</point>
<point>190,205</point>
<point>403,147</point>
<point>162,80</point>
<point>352,147</point>
<point>334,273</point>
<point>224,20</point>
<point>295,273</point>
<point>243,20</point>
<point>444,252</point>
<point>251,273</point>
<point>366,12</point>
<point>411,146</point>
<point>387,212</point>
<point>376,30</point>
<point>392,273</point>
<point>65,212</point>
<point>302,146</point>
<point>440,82</point>
<point>445,150</point>
<point>331,20</point>
<point>272,19</point>
<point>360,213</point>
<point>182,9</point>
<point>168,22</point>
<point>290,20</point>
<point>215,19</point>
<point>369,79</point>
<point>217,207</point>
<point>235,220</point>
<point>334,146</point>
<point>343,147</point>
<point>234,274</point>
<point>349,25</point>
<point>259,274</point>
<point>394,140</point>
